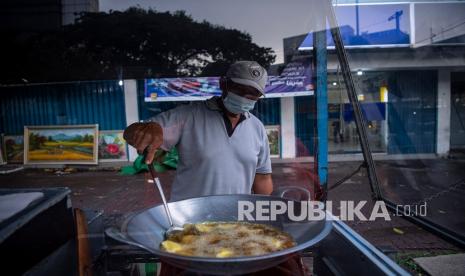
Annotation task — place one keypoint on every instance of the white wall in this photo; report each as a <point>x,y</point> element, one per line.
<point>132,110</point>
<point>402,58</point>
<point>443,116</point>
<point>287,128</point>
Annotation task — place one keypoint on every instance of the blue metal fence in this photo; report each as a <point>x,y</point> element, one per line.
<point>268,111</point>
<point>411,109</point>
<point>305,122</point>
<point>95,102</point>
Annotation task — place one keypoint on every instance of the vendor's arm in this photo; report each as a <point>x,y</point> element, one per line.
<point>144,136</point>
<point>262,184</point>
<point>162,131</point>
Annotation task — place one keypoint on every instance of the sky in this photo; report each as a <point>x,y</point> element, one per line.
<point>267,21</point>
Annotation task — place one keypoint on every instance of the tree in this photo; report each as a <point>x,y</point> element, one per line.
<point>36,141</point>
<point>135,43</point>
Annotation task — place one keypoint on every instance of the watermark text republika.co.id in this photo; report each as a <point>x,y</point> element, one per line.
<point>270,210</point>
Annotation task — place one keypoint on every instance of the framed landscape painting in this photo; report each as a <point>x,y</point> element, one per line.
<point>66,144</point>
<point>14,148</point>
<point>112,146</point>
<point>274,136</point>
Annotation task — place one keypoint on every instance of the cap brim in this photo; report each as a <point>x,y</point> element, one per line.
<point>249,83</point>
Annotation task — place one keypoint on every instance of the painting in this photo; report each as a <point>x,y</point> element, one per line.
<point>273,134</point>
<point>68,144</point>
<point>14,148</point>
<point>112,146</point>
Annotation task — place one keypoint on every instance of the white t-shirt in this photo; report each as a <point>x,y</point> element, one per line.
<point>210,161</point>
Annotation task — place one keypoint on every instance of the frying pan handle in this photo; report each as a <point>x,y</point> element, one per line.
<point>286,189</point>
<point>115,234</point>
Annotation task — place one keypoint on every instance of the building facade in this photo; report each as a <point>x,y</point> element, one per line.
<point>42,15</point>
<point>72,8</point>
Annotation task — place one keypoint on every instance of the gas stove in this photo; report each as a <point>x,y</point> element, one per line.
<point>125,259</point>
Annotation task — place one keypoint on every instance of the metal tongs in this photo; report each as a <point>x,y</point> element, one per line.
<point>173,229</point>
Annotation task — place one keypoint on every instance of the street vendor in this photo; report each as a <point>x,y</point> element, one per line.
<point>223,148</point>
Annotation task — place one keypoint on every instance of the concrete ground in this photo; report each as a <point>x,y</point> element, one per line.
<point>448,265</point>
<point>403,182</point>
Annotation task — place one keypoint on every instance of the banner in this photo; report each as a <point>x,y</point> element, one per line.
<point>181,89</point>
<point>295,80</point>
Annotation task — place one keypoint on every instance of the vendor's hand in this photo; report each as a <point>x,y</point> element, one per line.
<point>144,136</point>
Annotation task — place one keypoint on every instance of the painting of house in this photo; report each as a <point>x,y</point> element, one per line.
<point>14,148</point>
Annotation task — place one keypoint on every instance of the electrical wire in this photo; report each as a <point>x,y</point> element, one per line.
<point>347,177</point>
<point>441,32</point>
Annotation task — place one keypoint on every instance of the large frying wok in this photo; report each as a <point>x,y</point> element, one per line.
<point>146,229</point>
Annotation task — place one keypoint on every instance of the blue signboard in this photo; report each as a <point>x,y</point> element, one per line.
<point>385,25</point>
<point>371,111</point>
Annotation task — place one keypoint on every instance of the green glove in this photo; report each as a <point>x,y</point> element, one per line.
<point>169,161</point>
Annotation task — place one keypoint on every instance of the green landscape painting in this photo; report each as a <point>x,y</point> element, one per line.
<point>65,144</point>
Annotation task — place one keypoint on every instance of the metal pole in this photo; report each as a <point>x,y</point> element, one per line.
<point>321,96</point>
<point>357,19</point>
<point>359,120</point>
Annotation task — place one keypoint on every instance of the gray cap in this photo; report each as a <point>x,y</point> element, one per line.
<point>248,73</point>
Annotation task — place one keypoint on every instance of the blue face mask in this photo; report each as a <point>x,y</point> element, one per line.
<point>237,104</point>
